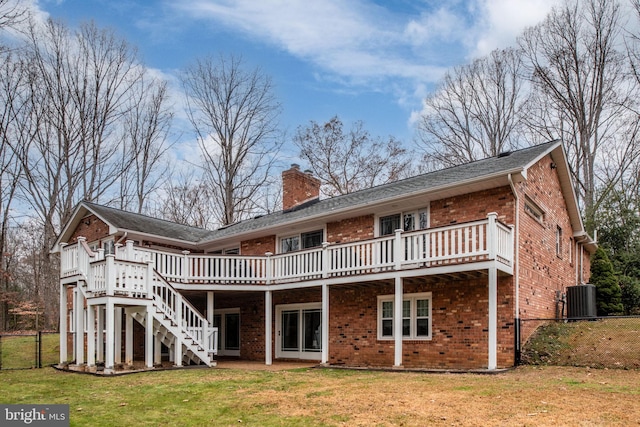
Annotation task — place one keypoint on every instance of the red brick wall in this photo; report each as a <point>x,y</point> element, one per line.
<point>258,246</point>
<point>350,230</point>
<point>298,187</point>
<point>459,326</point>
<point>542,271</point>
<point>90,227</point>
<point>473,206</point>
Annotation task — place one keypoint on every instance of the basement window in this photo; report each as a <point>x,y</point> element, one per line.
<point>416,316</point>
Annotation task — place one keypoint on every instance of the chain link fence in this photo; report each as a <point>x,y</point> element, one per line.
<point>29,350</point>
<point>597,342</point>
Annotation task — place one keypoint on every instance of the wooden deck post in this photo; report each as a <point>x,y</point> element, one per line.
<point>128,338</point>
<point>325,323</point>
<point>91,336</point>
<point>79,324</point>
<point>110,338</point>
<point>148,342</point>
<point>492,236</point>
<point>177,357</point>
<point>268,314</point>
<point>397,322</point>
<point>100,334</point>
<point>63,324</point>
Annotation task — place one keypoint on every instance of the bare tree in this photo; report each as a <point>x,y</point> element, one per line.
<point>13,130</point>
<point>234,114</point>
<point>12,12</point>
<point>476,111</point>
<point>350,161</point>
<point>187,200</point>
<point>79,84</point>
<point>146,127</point>
<point>579,73</point>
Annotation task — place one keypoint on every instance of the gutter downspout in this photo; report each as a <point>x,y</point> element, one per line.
<point>516,269</point>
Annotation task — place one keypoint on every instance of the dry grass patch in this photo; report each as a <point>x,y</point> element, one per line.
<point>605,343</point>
<point>328,397</point>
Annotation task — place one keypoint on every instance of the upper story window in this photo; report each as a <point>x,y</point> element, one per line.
<point>533,209</point>
<point>559,241</point>
<point>228,251</point>
<point>311,239</point>
<point>109,247</point>
<point>407,221</point>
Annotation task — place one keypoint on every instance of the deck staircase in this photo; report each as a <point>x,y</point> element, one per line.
<point>177,323</point>
<point>139,287</point>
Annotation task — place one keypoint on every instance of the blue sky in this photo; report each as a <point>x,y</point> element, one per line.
<point>369,60</point>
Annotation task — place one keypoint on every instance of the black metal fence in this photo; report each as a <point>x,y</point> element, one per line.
<point>597,342</point>
<point>29,350</point>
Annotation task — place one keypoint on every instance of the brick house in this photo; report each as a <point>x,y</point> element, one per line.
<point>468,250</point>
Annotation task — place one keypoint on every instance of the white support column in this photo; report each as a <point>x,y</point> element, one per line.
<point>91,336</point>
<point>157,351</point>
<point>268,331</point>
<point>63,324</point>
<point>325,324</point>
<point>210,308</point>
<point>110,332</point>
<point>79,323</point>
<point>128,338</point>
<point>493,317</point>
<point>177,343</point>
<point>117,339</point>
<point>148,342</point>
<point>397,322</point>
<point>100,334</point>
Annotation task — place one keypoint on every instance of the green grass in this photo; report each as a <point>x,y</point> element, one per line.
<point>19,351</point>
<point>170,398</point>
<point>604,343</point>
<point>321,397</point>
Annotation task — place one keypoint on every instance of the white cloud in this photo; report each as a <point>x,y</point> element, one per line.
<point>501,21</point>
<point>365,43</point>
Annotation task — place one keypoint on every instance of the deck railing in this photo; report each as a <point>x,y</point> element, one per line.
<point>129,269</point>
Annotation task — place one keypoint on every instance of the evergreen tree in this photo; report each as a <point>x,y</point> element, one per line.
<point>630,287</point>
<point>608,292</point>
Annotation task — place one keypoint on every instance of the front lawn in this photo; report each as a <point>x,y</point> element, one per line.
<point>332,397</point>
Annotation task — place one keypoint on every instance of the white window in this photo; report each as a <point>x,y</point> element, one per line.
<point>559,241</point>
<point>533,209</point>
<point>308,240</point>
<point>407,221</point>
<point>228,323</point>
<point>416,316</point>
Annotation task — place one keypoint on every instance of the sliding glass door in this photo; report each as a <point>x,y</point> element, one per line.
<point>299,331</point>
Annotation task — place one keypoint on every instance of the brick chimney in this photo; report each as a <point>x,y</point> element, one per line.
<point>298,187</point>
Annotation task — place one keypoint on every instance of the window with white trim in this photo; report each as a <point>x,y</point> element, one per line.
<point>416,316</point>
<point>407,221</point>
<point>308,240</point>
<point>558,241</point>
<point>533,209</point>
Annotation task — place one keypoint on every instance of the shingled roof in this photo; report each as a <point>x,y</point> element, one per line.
<point>503,164</point>
<point>513,162</point>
